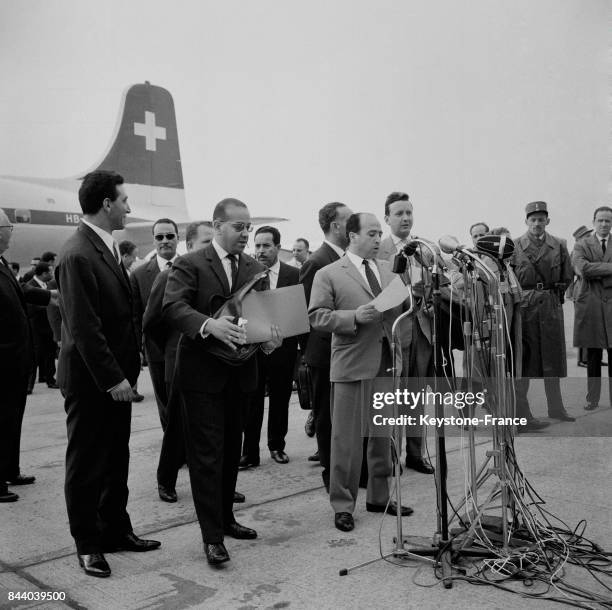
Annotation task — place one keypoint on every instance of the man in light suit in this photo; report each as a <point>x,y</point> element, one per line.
<point>340,303</point>
<point>332,220</point>
<point>415,330</point>
<point>276,369</point>
<point>165,236</point>
<point>98,366</point>
<point>592,259</point>
<point>214,393</point>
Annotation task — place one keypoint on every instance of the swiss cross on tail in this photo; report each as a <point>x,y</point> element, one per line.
<point>150,131</point>
<point>146,149</point>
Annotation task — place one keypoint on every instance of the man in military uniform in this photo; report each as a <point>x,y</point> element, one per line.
<point>542,265</point>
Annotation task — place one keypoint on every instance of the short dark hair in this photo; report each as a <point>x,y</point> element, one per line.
<point>328,213</point>
<point>304,241</point>
<point>47,257</point>
<point>275,233</point>
<point>220,211</point>
<point>14,266</point>
<point>476,224</point>
<point>601,208</point>
<point>192,229</point>
<point>393,197</point>
<point>42,268</point>
<point>126,247</point>
<point>353,224</point>
<point>167,221</point>
<point>96,187</point>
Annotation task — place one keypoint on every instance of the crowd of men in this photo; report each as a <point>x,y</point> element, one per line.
<point>210,385</point>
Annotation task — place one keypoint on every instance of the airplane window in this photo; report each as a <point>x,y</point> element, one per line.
<point>23,216</point>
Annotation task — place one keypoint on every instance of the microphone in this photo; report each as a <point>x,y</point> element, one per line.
<point>449,244</point>
<point>411,247</point>
<point>500,247</point>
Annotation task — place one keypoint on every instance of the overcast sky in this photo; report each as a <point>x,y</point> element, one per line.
<point>474,107</point>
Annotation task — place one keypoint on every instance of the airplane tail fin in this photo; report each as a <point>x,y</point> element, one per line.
<point>145,151</point>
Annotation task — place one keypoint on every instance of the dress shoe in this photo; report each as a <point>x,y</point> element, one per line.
<point>94,565</point>
<point>6,495</point>
<point>562,416</point>
<point>239,498</point>
<point>420,465</point>
<point>533,425</point>
<point>22,479</point>
<point>52,383</point>
<point>590,406</point>
<point>247,462</point>
<point>240,532</point>
<point>131,542</point>
<point>309,426</point>
<point>391,509</point>
<point>280,457</point>
<point>216,553</point>
<point>344,522</point>
<point>136,397</point>
<point>314,457</point>
<point>166,494</point>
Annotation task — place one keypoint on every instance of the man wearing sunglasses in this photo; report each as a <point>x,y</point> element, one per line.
<point>165,240</point>
<point>215,394</point>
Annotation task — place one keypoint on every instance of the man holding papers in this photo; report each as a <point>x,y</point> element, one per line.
<point>275,369</point>
<point>341,303</point>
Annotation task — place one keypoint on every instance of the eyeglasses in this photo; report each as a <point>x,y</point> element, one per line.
<point>9,227</point>
<point>239,227</point>
<point>168,236</point>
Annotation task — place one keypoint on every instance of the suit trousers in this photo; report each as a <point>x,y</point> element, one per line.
<point>157,371</point>
<point>347,451</point>
<point>12,408</point>
<point>97,464</point>
<point>278,374</point>
<point>172,455</point>
<point>593,358</point>
<point>554,400</point>
<point>321,402</point>
<point>213,434</point>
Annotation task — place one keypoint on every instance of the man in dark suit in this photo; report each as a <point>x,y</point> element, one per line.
<point>276,369</point>
<point>165,236</point>
<point>98,365</point>
<point>16,355</point>
<point>172,456</point>
<point>332,220</point>
<point>214,392</point>
<point>42,334</point>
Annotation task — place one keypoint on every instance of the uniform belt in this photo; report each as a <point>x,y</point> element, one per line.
<point>538,286</point>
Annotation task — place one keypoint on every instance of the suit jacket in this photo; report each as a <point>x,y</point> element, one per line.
<point>39,322</point>
<point>54,316</point>
<point>156,329</point>
<point>15,335</point>
<point>142,281</point>
<point>99,345</point>
<point>356,349</point>
<point>318,346</point>
<point>196,288</point>
<point>592,293</point>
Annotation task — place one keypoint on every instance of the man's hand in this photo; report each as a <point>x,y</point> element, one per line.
<point>122,392</point>
<point>366,314</point>
<point>274,342</point>
<point>225,331</point>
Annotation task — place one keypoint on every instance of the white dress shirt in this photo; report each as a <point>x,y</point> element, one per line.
<point>273,272</point>
<point>162,263</point>
<point>106,237</point>
<point>227,265</point>
<point>358,262</point>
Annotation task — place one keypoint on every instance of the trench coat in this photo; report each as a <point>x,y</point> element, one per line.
<point>592,294</point>
<point>541,309</point>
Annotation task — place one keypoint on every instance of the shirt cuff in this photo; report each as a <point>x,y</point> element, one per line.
<point>203,332</point>
<point>114,387</point>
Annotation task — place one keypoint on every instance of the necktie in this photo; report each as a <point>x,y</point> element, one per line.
<point>168,264</point>
<point>116,253</point>
<point>603,245</point>
<point>234,264</point>
<point>374,285</point>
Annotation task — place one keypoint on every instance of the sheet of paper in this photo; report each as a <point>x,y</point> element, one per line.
<point>285,307</point>
<point>392,296</point>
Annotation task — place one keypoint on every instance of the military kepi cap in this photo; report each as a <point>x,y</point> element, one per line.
<point>581,232</point>
<point>536,206</point>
